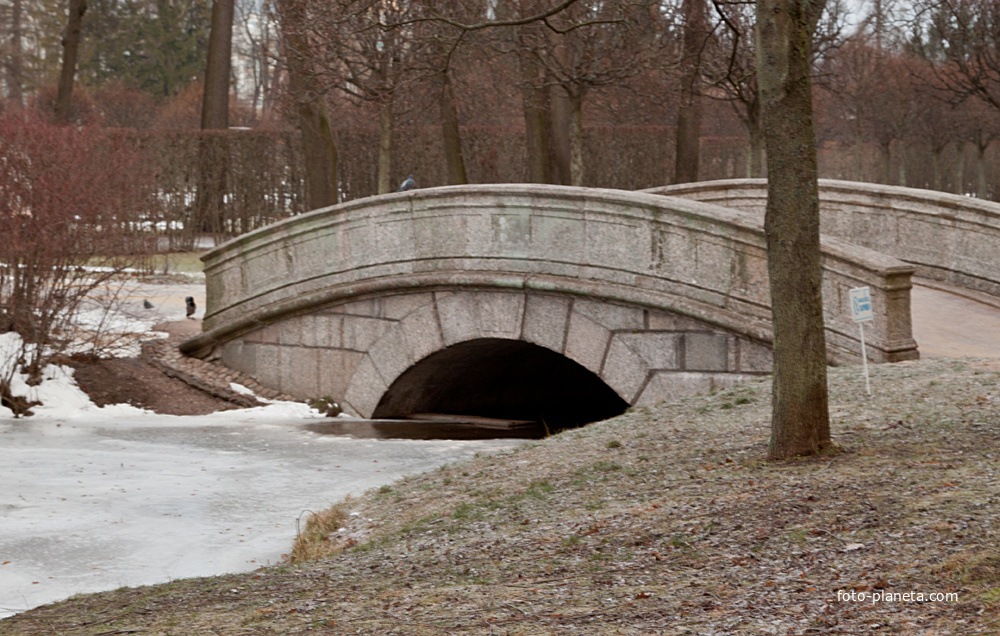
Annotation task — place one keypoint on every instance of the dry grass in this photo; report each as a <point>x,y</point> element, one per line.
<point>666,520</point>
<point>314,541</point>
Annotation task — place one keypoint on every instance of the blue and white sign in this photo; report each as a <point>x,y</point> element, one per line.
<point>861,305</point>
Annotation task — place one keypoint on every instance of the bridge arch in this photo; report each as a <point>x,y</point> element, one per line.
<point>655,296</point>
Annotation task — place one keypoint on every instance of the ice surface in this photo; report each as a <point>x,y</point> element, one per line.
<point>102,500</point>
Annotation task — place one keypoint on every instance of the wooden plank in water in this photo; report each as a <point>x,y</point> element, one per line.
<point>472,420</point>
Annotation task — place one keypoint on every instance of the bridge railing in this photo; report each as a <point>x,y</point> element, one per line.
<point>948,238</point>
<point>695,259</point>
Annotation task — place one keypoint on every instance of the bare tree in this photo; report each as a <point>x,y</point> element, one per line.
<point>696,31</point>
<point>71,48</point>
<point>800,423</point>
<point>215,102</point>
<point>588,45</point>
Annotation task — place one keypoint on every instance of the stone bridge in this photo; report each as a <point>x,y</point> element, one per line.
<point>520,301</point>
<point>950,239</point>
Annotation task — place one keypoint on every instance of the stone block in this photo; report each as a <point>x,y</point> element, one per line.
<point>239,355</point>
<point>299,377</point>
<point>398,307</point>
<point>266,335</point>
<point>586,342</point>
<point>335,368</point>
<point>624,370</point>
<point>665,385</point>
<point>500,314</point>
<point>366,388</point>
<point>421,333</point>
<point>360,333</point>
<point>610,316</point>
<point>269,365</point>
<point>390,355</point>
<point>721,381</point>
<point>545,319</point>
<point>755,357</point>
<point>705,352</point>
<point>457,312</point>
<point>657,350</point>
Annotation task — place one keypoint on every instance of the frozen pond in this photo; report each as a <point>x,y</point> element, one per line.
<point>125,498</point>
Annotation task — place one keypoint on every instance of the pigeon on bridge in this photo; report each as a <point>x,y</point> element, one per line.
<point>191,307</point>
<point>408,184</point>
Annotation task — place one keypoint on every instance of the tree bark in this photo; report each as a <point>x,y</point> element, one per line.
<point>688,148</point>
<point>385,147</point>
<point>981,169</point>
<point>902,162</point>
<point>451,134</point>
<point>319,152</point>
<point>15,63</point>
<point>215,99</point>
<point>536,122</point>
<point>859,151</point>
<point>576,161</point>
<point>800,422</point>
<point>559,122</point>
<point>755,159</point>
<point>71,47</point>
<point>960,168</point>
<point>885,156</point>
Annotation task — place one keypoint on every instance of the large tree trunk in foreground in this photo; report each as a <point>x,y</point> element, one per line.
<point>71,46</point>
<point>688,148</point>
<point>800,423</point>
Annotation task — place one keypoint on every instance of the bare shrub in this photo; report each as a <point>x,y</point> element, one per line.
<point>70,204</point>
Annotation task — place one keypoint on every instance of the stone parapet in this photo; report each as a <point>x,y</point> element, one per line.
<point>946,237</point>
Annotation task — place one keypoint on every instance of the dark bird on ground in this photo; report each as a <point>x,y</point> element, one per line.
<point>191,308</point>
<point>409,184</point>
<point>147,304</point>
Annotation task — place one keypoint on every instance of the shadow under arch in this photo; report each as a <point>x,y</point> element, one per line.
<point>501,378</point>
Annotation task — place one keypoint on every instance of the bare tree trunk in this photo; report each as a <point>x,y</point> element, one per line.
<point>800,423</point>
<point>71,46</point>
<point>319,151</point>
<point>215,99</point>
<point>385,147</point>
<point>960,168</point>
<point>884,166</point>
<point>536,123</point>
<point>936,164</point>
<point>559,122</point>
<point>755,160</point>
<point>576,162</point>
<point>902,162</point>
<point>859,151</point>
<point>688,149</point>
<point>15,62</point>
<point>452,135</point>
<point>981,169</point>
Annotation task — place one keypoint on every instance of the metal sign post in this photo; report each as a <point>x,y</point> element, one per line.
<point>861,310</point>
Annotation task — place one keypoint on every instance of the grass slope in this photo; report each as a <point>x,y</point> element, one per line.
<point>665,520</point>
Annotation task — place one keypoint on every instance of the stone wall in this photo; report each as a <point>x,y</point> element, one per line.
<point>947,238</point>
<point>355,351</point>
